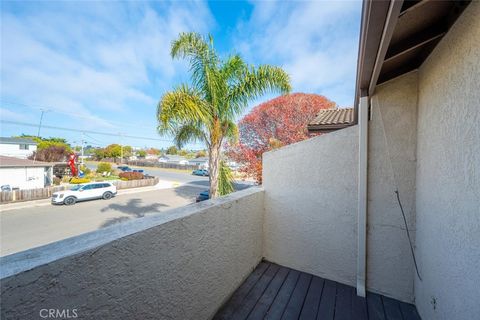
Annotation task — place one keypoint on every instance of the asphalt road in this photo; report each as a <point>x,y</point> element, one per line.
<point>26,228</point>
<point>167,174</point>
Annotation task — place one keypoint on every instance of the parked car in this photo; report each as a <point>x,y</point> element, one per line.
<point>204,195</point>
<point>200,172</point>
<point>128,169</point>
<point>6,188</point>
<point>88,191</point>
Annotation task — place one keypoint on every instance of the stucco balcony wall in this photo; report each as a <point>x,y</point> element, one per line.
<point>181,265</point>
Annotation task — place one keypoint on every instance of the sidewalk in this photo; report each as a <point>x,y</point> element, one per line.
<point>44,202</point>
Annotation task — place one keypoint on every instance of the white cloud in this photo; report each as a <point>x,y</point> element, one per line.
<point>315,41</point>
<point>100,60</point>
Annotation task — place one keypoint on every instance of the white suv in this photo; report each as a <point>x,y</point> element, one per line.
<point>88,191</point>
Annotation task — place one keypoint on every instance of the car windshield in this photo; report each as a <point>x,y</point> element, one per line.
<point>75,188</point>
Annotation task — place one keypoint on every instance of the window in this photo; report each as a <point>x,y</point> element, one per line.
<point>24,147</point>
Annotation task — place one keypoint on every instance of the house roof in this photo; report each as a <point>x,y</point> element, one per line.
<point>16,162</point>
<point>397,36</point>
<point>5,140</point>
<point>173,157</point>
<point>331,119</point>
<point>199,159</point>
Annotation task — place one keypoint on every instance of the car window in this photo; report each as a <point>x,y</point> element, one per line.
<point>105,185</point>
<point>88,187</point>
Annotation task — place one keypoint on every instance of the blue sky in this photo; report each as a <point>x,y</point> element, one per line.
<point>103,66</point>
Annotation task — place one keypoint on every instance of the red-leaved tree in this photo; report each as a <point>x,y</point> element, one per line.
<point>273,124</point>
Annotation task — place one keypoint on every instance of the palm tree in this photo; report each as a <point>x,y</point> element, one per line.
<point>205,109</point>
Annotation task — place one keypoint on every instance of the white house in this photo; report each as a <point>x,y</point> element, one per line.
<point>25,174</point>
<point>151,157</point>
<point>17,147</point>
<point>173,159</point>
<point>201,162</point>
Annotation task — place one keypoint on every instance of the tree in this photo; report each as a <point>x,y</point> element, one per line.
<point>182,153</point>
<point>44,143</point>
<point>99,153</point>
<point>113,150</point>
<point>141,153</point>
<point>220,90</point>
<point>51,154</point>
<point>273,124</point>
<point>201,154</point>
<point>172,150</point>
<point>153,151</point>
<point>127,151</point>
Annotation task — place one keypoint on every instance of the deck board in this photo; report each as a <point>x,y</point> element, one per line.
<point>276,292</point>
<point>312,301</point>
<point>262,306</point>
<point>294,306</point>
<point>254,295</point>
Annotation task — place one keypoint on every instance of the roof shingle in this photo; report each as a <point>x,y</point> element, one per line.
<point>332,119</point>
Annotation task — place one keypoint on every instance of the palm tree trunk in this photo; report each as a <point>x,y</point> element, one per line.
<point>214,166</point>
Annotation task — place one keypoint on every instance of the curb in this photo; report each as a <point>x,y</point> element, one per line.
<point>44,202</point>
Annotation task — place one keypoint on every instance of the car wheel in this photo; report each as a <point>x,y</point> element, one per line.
<point>107,196</point>
<point>69,201</point>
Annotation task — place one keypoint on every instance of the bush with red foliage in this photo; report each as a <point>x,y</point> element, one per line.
<point>131,175</point>
<point>273,124</point>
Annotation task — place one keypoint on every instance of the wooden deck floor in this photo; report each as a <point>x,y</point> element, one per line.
<point>275,292</point>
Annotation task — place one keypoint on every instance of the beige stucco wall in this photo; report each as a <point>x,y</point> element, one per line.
<point>391,167</point>
<point>183,265</point>
<point>311,205</point>
<point>448,175</point>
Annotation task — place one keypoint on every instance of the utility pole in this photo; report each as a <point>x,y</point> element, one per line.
<point>40,123</point>
<point>121,148</point>
<point>38,132</point>
<point>83,142</point>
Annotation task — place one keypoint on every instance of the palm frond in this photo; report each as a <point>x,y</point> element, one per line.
<point>189,132</point>
<point>183,105</point>
<point>230,131</point>
<point>256,82</point>
<point>203,62</point>
<point>225,179</point>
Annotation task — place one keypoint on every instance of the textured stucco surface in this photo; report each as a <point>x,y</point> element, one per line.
<point>448,174</point>
<point>391,167</point>
<point>180,269</point>
<point>311,205</point>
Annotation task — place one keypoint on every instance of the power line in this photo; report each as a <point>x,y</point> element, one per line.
<point>85,131</point>
<point>71,114</point>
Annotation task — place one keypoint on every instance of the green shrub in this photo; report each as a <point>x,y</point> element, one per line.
<point>104,167</point>
<point>57,181</point>
<point>86,170</point>
<point>76,180</point>
<point>131,175</point>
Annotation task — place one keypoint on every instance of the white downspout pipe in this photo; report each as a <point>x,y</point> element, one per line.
<point>362,195</point>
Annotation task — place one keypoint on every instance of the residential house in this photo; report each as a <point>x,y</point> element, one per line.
<point>201,162</point>
<point>153,157</point>
<point>173,159</point>
<point>17,147</point>
<point>25,174</point>
<point>378,220</point>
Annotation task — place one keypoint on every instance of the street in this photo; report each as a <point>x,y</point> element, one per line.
<point>26,228</point>
<point>31,226</point>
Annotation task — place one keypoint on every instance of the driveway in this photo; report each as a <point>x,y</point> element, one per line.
<point>26,228</point>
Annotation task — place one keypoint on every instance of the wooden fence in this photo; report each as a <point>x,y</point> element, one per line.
<point>45,193</point>
<point>166,165</point>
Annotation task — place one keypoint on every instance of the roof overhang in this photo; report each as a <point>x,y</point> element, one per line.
<point>397,36</point>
